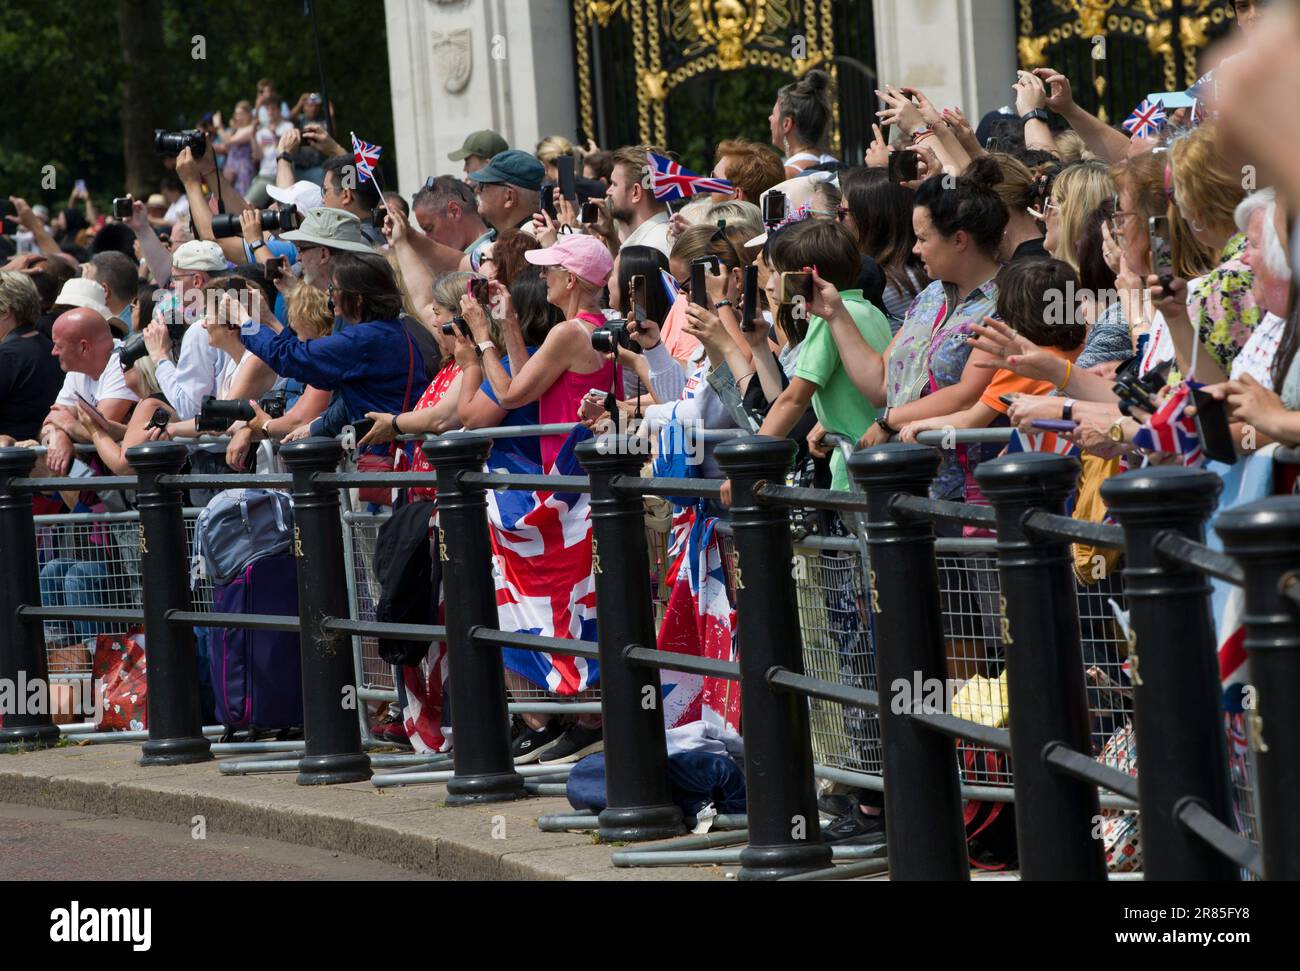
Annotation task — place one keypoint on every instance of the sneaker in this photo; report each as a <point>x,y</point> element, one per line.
<point>534,741</point>
<point>856,828</point>
<point>573,745</point>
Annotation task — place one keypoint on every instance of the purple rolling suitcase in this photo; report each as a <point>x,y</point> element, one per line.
<point>257,674</point>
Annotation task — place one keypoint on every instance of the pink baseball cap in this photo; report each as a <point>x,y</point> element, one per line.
<point>584,256</point>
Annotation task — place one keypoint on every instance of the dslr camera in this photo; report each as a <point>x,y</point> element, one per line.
<point>216,415</point>
<point>226,224</point>
<point>134,349</point>
<point>172,143</point>
<point>1135,392</point>
<point>615,334</point>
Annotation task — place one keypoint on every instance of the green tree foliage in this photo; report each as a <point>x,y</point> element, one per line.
<point>61,73</point>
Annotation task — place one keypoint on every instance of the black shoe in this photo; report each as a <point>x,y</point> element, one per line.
<point>855,827</point>
<point>534,741</point>
<point>573,745</point>
<point>837,805</point>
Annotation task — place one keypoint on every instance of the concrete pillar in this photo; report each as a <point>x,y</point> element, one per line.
<point>959,52</point>
<point>457,66</point>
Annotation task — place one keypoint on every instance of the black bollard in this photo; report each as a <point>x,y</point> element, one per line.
<point>329,691</point>
<point>1264,538</point>
<point>784,829</point>
<point>637,790</point>
<point>479,717</point>
<point>923,813</point>
<point>1181,745</point>
<point>1055,813</point>
<point>175,718</point>
<point>22,640</point>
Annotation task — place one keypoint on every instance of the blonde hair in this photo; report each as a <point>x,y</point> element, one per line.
<point>308,313</point>
<point>1205,191</point>
<point>1143,178</point>
<point>1071,147</point>
<point>1079,191</point>
<point>552,147</point>
<point>147,370</point>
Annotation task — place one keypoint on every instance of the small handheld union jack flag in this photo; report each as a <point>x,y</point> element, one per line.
<point>668,180</point>
<point>1172,430</point>
<point>366,156</point>
<point>1147,119</point>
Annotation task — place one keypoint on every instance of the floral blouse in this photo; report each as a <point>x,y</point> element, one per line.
<point>1222,306</point>
<point>923,351</point>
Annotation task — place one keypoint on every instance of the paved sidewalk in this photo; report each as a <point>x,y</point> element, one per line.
<point>406,827</point>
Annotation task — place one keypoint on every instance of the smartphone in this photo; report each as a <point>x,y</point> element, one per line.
<point>1054,424</point>
<point>773,207</point>
<point>80,185</point>
<point>1162,250</point>
<point>796,284</point>
<point>699,287</point>
<point>564,170</point>
<point>749,301</point>
<point>590,213</point>
<point>904,166</point>
<point>122,207</point>
<point>361,427</point>
<point>636,298</point>
<point>1212,427</point>
<point>378,215</point>
<point>463,326</point>
<point>275,267</point>
<point>478,289</point>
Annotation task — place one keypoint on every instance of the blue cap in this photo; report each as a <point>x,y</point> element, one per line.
<point>513,167</point>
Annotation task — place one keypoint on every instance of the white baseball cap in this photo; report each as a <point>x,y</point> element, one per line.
<point>303,195</point>
<point>199,254</point>
<point>79,292</point>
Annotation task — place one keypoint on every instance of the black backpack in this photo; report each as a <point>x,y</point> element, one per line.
<point>408,578</point>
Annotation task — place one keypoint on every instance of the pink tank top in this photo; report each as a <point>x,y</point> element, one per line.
<point>559,403</point>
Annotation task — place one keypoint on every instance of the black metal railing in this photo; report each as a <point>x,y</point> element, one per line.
<point>1182,787</point>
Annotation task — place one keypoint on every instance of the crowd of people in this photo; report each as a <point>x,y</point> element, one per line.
<point>967,276</point>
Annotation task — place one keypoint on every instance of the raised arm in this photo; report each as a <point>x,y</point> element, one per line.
<point>155,253</point>
<point>1096,134</point>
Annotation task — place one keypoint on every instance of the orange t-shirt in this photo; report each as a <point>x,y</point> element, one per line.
<point>680,344</point>
<point>1008,382</point>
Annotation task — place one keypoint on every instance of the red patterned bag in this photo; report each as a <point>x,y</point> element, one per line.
<point>120,686</point>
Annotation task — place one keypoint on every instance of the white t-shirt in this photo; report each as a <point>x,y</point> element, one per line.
<point>652,232</point>
<point>178,211</point>
<point>269,139</point>
<point>108,386</point>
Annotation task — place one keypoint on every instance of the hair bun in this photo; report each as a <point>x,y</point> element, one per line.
<point>984,172</point>
<point>815,82</point>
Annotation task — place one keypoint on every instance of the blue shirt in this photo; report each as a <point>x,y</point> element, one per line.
<point>374,366</point>
<point>527,449</point>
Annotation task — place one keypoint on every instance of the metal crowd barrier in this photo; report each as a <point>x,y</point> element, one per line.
<point>1182,788</point>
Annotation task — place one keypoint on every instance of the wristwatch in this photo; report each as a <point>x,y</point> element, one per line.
<point>1116,430</point>
<point>284,157</point>
<point>396,431</point>
<point>255,246</point>
<point>883,422</point>
<point>482,347</point>
<point>1067,413</point>
<point>1038,113</point>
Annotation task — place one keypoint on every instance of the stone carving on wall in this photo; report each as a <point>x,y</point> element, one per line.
<point>453,58</point>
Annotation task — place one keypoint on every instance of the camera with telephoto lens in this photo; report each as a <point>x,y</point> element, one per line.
<point>216,415</point>
<point>226,224</point>
<point>135,349</point>
<point>615,334</point>
<point>172,143</point>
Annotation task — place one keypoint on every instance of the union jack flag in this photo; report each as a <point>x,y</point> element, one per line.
<point>541,545</point>
<point>699,620</point>
<point>668,180</point>
<point>1172,430</point>
<point>1147,119</point>
<point>366,156</point>
<point>1041,442</point>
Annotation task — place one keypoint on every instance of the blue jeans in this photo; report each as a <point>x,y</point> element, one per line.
<point>74,583</point>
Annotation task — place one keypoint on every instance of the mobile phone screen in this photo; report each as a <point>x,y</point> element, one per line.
<point>548,200</point>
<point>636,298</point>
<point>903,166</point>
<point>699,291</point>
<point>1212,427</point>
<point>773,207</point>
<point>1162,252</point>
<point>590,212</point>
<point>564,169</point>
<point>749,304</point>
<point>796,284</point>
